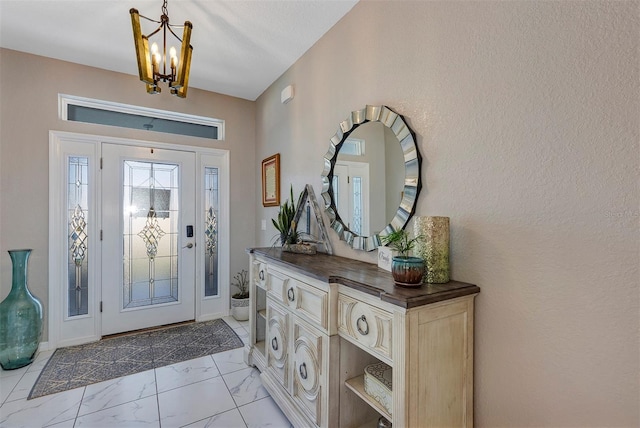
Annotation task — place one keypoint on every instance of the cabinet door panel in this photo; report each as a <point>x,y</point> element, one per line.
<point>277,342</point>
<point>277,285</point>
<point>307,370</point>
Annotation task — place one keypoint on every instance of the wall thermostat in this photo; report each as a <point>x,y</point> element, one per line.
<point>287,94</point>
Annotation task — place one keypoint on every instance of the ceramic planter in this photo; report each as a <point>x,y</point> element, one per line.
<point>407,271</point>
<point>240,309</point>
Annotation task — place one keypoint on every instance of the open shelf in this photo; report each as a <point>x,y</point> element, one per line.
<point>373,423</point>
<point>260,347</point>
<point>356,385</point>
<point>259,323</point>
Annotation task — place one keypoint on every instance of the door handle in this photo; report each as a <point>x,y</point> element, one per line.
<point>189,245</point>
<point>303,371</point>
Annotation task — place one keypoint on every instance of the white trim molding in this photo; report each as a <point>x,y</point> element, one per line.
<point>64,330</point>
<point>214,306</point>
<point>67,331</point>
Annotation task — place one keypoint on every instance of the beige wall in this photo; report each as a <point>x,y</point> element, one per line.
<point>527,117</point>
<point>29,87</point>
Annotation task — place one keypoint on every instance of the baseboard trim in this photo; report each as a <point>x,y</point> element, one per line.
<point>210,317</point>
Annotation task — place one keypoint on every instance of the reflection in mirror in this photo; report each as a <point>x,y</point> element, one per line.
<point>367,202</point>
<point>371,178</point>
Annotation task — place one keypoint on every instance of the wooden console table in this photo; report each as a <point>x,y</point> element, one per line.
<point>318,320</point>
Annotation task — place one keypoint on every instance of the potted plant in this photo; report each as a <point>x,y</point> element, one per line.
<point>407,271</point>
<point>240,300</point>
<point>285,224</point>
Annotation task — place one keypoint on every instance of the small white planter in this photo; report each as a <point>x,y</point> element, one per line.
<point>240,309</point>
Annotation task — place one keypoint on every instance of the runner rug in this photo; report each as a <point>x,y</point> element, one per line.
<point>114,357</point>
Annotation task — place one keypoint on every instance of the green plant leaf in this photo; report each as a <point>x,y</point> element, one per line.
<point>399,241</point>
<point>284,220</point>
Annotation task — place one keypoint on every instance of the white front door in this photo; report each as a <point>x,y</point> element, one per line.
<point>148,243</point>
<point>351,191</point>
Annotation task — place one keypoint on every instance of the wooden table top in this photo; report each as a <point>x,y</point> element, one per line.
<point>365,277</point>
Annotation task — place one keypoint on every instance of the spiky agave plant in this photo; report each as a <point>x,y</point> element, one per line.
<point>285,223</point>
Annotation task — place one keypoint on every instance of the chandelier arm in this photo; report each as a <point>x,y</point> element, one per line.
<point>155,32</point>
<point>164,38</point>
<point>149,19</point>
<point>174,34</point>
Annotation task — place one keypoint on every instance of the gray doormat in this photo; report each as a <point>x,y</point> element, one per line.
<point>114,357</point>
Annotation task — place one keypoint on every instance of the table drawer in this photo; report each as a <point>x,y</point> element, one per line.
<point>260,274</point>
<point>307,301</point>
<point>366,325</point>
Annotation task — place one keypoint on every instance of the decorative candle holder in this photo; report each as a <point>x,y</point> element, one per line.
<point>434,247</point>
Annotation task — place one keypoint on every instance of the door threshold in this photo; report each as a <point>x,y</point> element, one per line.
<point>142,330</point>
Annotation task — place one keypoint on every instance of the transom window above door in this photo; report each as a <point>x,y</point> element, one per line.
<point>87,110</point>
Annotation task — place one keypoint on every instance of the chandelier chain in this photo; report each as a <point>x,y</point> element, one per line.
<point>164,8</point>
<point>165,12</point>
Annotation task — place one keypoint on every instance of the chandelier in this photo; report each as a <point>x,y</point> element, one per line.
<point>155,65</point>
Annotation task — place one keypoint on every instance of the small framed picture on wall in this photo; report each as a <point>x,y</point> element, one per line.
<point>271,181</point>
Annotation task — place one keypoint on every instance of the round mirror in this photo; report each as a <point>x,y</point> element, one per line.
<point>371,176</point>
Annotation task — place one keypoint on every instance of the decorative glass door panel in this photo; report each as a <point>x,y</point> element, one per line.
<point>151,218</point>
<point>148,255</point>
<point>78,234</point>
<point>211,231</point>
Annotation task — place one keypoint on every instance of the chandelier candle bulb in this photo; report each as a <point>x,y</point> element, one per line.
<point>174,59</point>
<point>434,247</point>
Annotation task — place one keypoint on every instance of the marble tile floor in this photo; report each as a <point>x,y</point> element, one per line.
<point>218,390</point>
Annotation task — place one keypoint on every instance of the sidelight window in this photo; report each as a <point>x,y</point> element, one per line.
<point>77,232</point>
<point>211,213</point>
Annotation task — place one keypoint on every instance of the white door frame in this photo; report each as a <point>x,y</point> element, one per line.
<point>361,169</point>
<point>116,316</point>
<point>66,331</point>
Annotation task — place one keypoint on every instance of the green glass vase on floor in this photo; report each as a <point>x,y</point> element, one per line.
<point>20,318</point>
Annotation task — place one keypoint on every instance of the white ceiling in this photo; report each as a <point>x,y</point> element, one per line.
<point>239,47</point>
